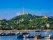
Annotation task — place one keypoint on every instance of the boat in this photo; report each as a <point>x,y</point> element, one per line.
<point>2,34</point>
<point>38,31</point>
<point>17,33</point>
<point>10,34</point>
<point>38,36</point>
<point>49,36</point>
<point>23,35</point>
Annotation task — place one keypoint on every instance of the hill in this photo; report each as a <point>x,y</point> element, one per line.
<point>27,21</point>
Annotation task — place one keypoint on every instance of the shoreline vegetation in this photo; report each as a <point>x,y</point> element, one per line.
<point>22,31</point>
<point>28,22</point>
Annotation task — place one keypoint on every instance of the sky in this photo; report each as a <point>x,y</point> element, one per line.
<point>12,8</point>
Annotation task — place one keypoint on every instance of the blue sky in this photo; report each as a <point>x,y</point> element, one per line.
<point>12,8</point>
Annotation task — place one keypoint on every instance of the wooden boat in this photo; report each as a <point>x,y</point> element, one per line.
<point>38,31</point>
<point>23,35</point>
<point>2,34</point>
<point>49,37</point>
<point>37,36</point>
<point>10,34</point>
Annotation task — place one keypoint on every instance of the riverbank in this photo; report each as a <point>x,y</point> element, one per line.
<point>7,31</point>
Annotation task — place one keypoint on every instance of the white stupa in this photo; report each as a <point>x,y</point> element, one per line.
<point>23,10</point>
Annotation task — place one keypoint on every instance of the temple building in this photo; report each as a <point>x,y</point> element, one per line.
<point>30,20</point>
<point>45,17</point>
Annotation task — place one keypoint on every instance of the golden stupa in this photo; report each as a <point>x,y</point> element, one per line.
<point>45,17</point>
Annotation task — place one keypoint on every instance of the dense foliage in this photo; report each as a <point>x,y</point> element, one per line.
<point>27,21</point>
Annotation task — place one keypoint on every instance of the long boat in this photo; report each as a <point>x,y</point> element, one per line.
<point>24,35</point>
<point>49,36</point>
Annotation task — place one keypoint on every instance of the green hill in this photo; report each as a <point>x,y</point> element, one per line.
<point>27,21</point>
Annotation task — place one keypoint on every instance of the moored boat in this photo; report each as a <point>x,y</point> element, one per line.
<point>2,34</point>
<point>38,36</point>
<point>23,35</point>
<point>49,36</point>
<point>38,31</point>
<point>10,34</point>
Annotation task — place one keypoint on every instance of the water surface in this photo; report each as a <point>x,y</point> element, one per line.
<point>32,33</point>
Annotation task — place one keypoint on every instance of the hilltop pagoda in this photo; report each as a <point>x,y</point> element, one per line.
<point>45,17</point>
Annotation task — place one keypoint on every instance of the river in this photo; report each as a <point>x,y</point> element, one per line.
<point>32,33</point>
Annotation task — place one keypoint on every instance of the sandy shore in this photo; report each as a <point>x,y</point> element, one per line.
<point>6,31</point>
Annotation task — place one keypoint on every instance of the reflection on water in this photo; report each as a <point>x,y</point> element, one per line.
<point>36,39</point>
<point>33,39</point>
<point>49,39</point>
<point>23,39</point>
<point>15,38</point>
<point>26,38</point>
